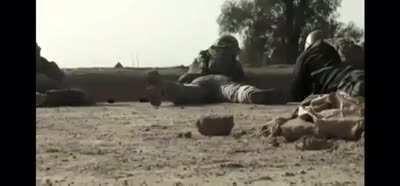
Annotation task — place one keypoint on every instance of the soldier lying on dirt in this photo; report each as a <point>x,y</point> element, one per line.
<point>205,89</point>
<point>319,70</point>
<point>213,77</point>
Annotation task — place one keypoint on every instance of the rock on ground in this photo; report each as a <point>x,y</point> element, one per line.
<point>215,125</point>
<point>134,144</point>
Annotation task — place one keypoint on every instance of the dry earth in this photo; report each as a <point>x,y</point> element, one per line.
<point>132,143</point>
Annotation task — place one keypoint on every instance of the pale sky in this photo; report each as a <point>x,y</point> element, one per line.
<point>99,33</point>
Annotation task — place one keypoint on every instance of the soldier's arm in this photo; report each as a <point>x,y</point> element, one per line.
<point>298,88</point>
<point>198,68</point>
<point>239,73</point>
<point>203,60</point>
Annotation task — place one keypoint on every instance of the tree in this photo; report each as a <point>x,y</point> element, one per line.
<point>350,31</point>
<point>267,24</point>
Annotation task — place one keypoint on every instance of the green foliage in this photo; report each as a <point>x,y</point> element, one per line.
<point>350,31</point>
<point>265,25</point>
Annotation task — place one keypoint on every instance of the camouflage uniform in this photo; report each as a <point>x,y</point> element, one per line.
<point>213,77</point>
<point>349,51</point>
<point>220,58</point>
<point>213,88</point>
<point>319,70</point>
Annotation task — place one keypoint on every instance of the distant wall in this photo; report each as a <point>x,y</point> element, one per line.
<point>273,76</point>
<point>128,84</point>
<point>119,84</point>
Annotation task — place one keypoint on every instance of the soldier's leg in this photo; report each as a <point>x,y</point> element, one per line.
<point>240,93</point>
<point>158,89</point>
<point>188,77</point>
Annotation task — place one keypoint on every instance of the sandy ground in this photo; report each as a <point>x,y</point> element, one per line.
<point>133,143</point>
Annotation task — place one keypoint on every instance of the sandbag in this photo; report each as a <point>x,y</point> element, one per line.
<point>336,115</point>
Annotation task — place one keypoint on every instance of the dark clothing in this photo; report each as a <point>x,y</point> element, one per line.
<point>319,70</point>
<point>216,88</point>
<point>223,61</point>
<point>50,69</point>
<point>215,60</point>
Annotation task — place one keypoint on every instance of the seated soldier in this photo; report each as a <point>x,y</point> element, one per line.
<point>220,58</point>
<point>319,70</point>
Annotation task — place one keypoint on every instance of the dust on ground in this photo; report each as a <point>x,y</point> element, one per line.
<point>133,143</point>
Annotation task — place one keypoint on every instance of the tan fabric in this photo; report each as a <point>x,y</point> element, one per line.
<point>335,115</point>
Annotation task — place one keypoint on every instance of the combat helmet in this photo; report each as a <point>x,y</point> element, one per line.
<point>228,41</point>
<point>313,37</point>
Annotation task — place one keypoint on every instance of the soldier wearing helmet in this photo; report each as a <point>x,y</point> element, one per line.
<point>319,70</point>
<point>213,77</point>
<point>220,58</point>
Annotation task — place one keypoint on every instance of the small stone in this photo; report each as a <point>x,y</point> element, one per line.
<point>178,184</point>
<point>111,101</point>
<point>313,143</point>
<point>188,135</point>
<point>239,134</point>
<point>232,165</point>
<point>303,172</point>
<point>289,174</point>
<point>274,142</point>
<point>185,135</point>
<point>220,173</point>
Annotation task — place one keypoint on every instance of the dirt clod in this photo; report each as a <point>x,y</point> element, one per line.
<point>289,174</point>
<point>313,143</point>
<point>185,135</point>
<point>215,125</point>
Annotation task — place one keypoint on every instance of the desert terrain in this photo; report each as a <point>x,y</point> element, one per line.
<point>133,143</point>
